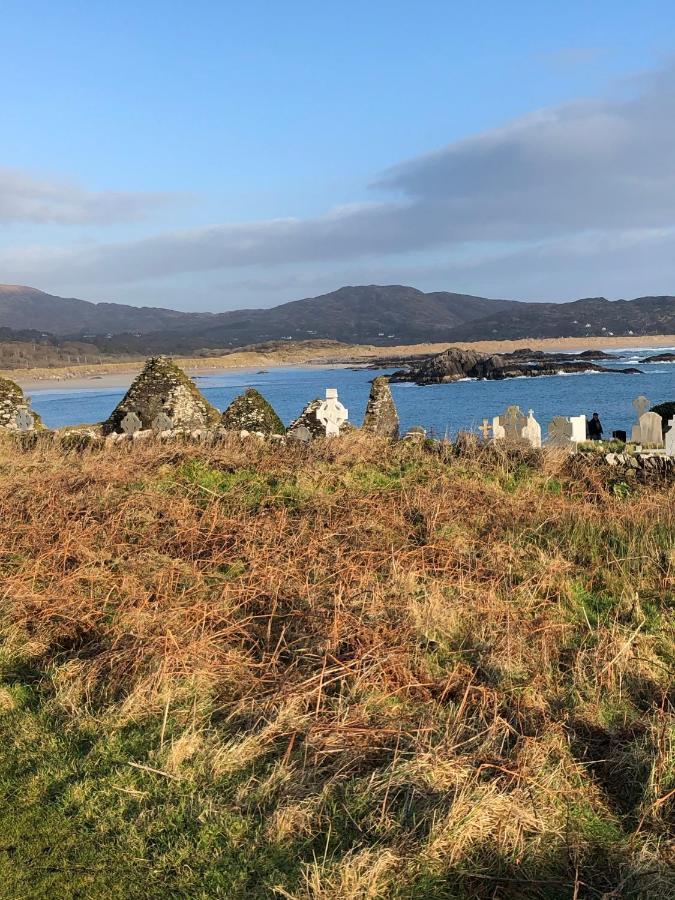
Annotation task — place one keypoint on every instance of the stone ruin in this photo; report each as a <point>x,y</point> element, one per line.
<point>15,411</point>
<point>251,412</point>
<point>162,387</point>
<point>381,414</point>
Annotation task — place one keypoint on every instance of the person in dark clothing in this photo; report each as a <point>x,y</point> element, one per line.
<point>594,427</point>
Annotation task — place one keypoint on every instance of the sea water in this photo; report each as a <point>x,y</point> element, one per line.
<point>443,409</point>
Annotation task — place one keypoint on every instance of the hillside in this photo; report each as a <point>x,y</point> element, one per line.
<point>367,314</point>
<point>24,307</point>
<point>369,670</point>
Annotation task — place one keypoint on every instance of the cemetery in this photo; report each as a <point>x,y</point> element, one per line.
<point>163,403</point>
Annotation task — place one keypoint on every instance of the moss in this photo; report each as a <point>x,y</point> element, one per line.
<point>252,412</point>
<point>162,387</point>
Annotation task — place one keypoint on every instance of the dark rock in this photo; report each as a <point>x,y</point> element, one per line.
<point>381,414</point>
<point>252,412</point>
<point>661,357</point>
<point>455,364</point>
<point>162,387</point>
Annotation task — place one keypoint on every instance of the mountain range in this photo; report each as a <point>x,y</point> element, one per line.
<point>366,314</point>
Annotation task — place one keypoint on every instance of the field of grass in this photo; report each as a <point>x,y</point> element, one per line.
<point>356,670</point>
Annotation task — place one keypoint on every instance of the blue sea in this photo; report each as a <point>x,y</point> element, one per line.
<point>442,409</point>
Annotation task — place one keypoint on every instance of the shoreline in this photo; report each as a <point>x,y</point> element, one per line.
<point>111,375</point>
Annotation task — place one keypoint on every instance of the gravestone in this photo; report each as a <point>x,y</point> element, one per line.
<point>579,434</point>
<point>670,438</point>
<point>331,413</point>
<point>532,431</point>
<point>641,405</point>
<point>651,429</point>
<point>566,431</point>
<point>485,430</point>
<point>302,434</point>
<point>131,423</point>
<point>513,423</point>
<point>24,420</point>
<point>162,422</point>
<point>560,432</point>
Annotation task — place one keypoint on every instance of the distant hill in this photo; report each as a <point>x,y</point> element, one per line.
<point>24,307</point>
<point>366,314</point>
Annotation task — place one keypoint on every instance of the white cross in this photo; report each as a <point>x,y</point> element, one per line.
<point>332,414</point>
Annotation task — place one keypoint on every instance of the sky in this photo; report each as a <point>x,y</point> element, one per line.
<point>219,155</point>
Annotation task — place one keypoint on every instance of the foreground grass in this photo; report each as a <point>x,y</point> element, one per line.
<point>364,670</point>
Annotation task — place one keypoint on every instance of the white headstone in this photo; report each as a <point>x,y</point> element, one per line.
<point>651,429</point>
<point>578,428</point>
<point>332,414</point>
<point>670,438</point>
<point>532,431</point>
<point>131,423</point>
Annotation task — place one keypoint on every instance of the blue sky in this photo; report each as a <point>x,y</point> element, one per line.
<point>216,155</point>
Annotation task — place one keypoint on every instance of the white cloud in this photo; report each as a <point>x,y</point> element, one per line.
<point>587,175</point>
<point>25,197</point>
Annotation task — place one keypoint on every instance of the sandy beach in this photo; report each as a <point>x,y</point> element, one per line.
<point>110,375</point>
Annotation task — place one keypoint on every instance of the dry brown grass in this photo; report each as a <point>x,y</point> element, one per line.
<point>453,671</point>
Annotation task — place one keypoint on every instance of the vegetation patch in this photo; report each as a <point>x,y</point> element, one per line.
<point>364,670</point>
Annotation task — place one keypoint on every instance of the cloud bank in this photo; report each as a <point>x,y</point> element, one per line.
<point>27,198</point>
<point>571,182</point>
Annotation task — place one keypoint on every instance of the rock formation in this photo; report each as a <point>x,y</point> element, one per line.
<point>381,415</point>
<point>162,387</point>
<point>454,364</point>
<point>251,412</point>
<point>13,401</point>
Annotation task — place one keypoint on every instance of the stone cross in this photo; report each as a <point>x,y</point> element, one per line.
<point>560,432</point>
<point>131,423</point>
<point>162,422</point>
<point>513,423</point>
<point>485,429</point>
<point>24,420</point>
<point>670,438</point>
<point>641,404</point>
<point>331,413</point>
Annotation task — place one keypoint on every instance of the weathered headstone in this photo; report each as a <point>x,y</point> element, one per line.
<point>512,422</point>
<point>24,420</point>
<point>252,412</point>
<point>641,405</point>
<point>162,422</point>
<point>331,413</point>
<point>416,433</point>
<point>131,423</point>
<point>670,438</point>
<point>302,434</point>
<point>560,432</point>
<point>485,430</point>
<point>566,431</point>
<point>651,430</point>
